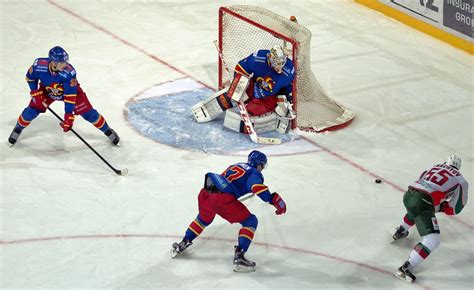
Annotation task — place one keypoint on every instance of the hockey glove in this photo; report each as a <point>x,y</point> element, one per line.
<point>444,207</point>
<point>284,108</point>
<point>68,121</point>
<point>278,203</point>
<point>37,97</point>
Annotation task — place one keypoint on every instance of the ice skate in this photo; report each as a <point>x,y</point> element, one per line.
<point>178,249</point>
<point>400,233</point>
<point>14,136</point>
<point>241,264</point>
<point>405,273</point>
<point>113,136</point>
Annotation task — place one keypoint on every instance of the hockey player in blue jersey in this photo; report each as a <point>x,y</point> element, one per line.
<point>268,97</point>
<point>272,74</point>
<point>54,79</point>
<point>220,195</point>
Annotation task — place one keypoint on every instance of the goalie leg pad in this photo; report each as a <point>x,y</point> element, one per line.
<point>285,113</point>
<point>282,124</point>
<point>212,107</point>
<point>233,121</point>
<point>262,124</point>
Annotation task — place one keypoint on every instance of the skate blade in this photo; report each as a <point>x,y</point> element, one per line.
<point>403,277</point>
<point>394,240</point>
<point>174,253</point>
<point>244,269</point>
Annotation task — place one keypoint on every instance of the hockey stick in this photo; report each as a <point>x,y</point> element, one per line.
<point>122,172</point>
<point>244,198</point>
<point>243,110</point>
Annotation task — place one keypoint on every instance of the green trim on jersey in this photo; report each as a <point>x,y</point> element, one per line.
<point>459,206</point>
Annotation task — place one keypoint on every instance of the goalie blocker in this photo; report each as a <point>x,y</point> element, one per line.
<point>220,101</point>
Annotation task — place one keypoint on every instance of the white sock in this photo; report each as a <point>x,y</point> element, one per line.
<point>423,249</point>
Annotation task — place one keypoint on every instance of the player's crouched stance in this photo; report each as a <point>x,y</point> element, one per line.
<point>440,189</point>
<point>54,79</point>
<point>220,196</point>
<point>263,81</point>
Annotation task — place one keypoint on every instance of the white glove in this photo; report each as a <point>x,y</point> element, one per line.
<point>284,109</point>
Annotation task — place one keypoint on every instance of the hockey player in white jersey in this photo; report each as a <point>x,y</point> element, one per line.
<point>439,189</point>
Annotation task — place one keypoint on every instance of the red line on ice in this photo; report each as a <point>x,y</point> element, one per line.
<point>126,42</point>
<point>291,249</point>
<point>361,168</point>
<point>129,44</point>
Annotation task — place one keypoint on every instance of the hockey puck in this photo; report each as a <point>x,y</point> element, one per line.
<point>378,180</point>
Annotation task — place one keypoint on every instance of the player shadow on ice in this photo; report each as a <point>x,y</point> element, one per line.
<point>44,140</point>
<point>47,137</point>
<point>168,119</point>
<point>213,269</point>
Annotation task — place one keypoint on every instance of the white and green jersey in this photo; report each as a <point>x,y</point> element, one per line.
<point>449,182</point>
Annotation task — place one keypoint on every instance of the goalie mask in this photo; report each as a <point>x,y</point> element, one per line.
<point>277,58</point>
<point>454,160</point>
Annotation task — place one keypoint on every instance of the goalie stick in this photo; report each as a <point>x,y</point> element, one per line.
<point>241,106</point>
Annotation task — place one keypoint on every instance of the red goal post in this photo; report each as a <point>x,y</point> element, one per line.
<point>244,29</point>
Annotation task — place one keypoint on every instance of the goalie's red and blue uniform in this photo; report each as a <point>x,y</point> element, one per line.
<point>58,86</point>
<point>220,196</point>
<point>266,83</point>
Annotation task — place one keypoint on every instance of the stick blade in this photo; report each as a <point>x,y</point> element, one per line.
<point>269,141</point>
<point>122,172</point>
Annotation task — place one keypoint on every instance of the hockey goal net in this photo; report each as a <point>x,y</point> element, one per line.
<point>244,29</point>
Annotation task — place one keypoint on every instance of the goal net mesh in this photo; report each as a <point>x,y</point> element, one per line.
<point>244,29</point>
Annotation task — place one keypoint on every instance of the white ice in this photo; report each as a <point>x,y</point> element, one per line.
<point>68,222</point>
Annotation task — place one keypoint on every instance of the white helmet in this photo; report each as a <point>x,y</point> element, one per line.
<point>277,58</point>
<point>454,161</point>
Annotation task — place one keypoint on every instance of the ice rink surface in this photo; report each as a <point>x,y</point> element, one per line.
<point>68,222</point>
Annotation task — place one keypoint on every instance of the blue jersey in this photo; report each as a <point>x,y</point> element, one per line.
<point>60,85</point>
<point>240,179</point>
<point>268,81</point>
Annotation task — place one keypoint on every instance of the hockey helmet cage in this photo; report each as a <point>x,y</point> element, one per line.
<point>277,58</point>
<point>454,160</point>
